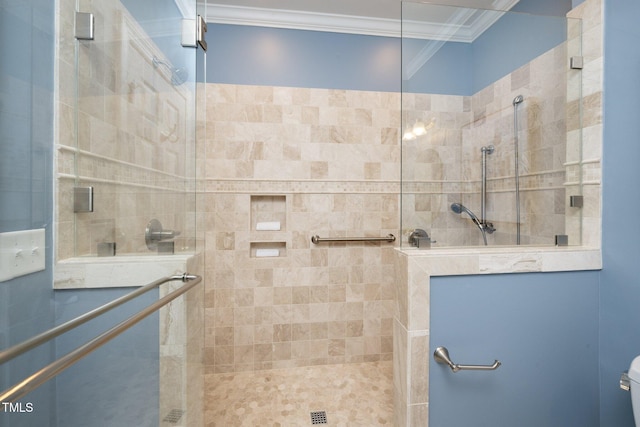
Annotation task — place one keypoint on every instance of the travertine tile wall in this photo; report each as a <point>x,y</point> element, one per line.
<point>432,166</point>
<point>320,162</point>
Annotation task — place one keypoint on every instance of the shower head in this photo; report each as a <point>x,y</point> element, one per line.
<point>459,208</point>
<point>518,99</point>
<point>178,75</point>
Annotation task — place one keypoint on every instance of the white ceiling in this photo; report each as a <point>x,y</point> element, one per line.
<point>374,17</point>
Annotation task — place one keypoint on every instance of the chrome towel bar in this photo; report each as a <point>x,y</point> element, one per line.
<point>317,239</point>
<point>18,349</point>
<point>33,381</point>
<point>441,355</point>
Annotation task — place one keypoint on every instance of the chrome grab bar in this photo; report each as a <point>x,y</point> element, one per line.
<point>32,382</point>
<point>441,355</point>
<point>317,239</point>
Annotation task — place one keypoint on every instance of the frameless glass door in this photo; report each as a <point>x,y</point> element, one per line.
<point>127,140</point>
<point>491,126</point>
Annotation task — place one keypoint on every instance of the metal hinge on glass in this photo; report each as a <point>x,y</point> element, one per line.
<point>84,26</point>
<point>193,33</point>
<point>83,199</point>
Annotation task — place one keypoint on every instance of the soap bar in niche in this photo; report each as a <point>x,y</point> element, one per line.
<point>263,253</point>
<point>270,226</point>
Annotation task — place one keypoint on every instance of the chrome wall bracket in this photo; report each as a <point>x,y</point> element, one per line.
<point>576,63</point>
<point>82,199</point>
<point>189,33</point>
<point>441,355</point>
<point>193,33</point>
<point>84,26</point>
<point>200,35</point>
<point>576,201</point>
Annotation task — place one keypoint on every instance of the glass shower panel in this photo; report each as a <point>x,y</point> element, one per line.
<point>135,132</point>
<point>143,377</point>
<point>480,89</point>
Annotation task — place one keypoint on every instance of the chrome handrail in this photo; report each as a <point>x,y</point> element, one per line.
<point>317,239</point>
<point>18,349</point>
<point>32,382</point>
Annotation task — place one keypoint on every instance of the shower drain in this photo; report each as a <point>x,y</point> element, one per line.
<point>319,417</point>
<point>174,416</point>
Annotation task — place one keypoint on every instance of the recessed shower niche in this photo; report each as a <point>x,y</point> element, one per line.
<point>268,226</point>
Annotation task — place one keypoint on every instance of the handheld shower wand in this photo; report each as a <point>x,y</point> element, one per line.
<point>459,208</point>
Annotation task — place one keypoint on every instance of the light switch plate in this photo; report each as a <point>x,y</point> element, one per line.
<point>21,252</point>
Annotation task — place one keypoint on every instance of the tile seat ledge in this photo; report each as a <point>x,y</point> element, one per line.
<point>117,271</point>
<point>454,261</point>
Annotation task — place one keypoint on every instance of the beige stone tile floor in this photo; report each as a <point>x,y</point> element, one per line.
<point>357,394</point>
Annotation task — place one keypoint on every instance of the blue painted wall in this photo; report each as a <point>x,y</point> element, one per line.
<point>26,191</point>
<point>620,285</point>
<point>544,7</point>
<point>449,71</point>
<point>514,41</point>
<point>544,330</point>
<point>294,58</point>
<point>118,384</point>
<point>283,57</point>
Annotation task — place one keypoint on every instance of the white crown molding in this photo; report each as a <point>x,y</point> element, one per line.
<point>187,8</point>
<point>489,17</point>
<point>301,20</point>
<point>453,30</point>
<point>450,31</point>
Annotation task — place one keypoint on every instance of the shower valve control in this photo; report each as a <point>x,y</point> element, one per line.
<point>420,238</point>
